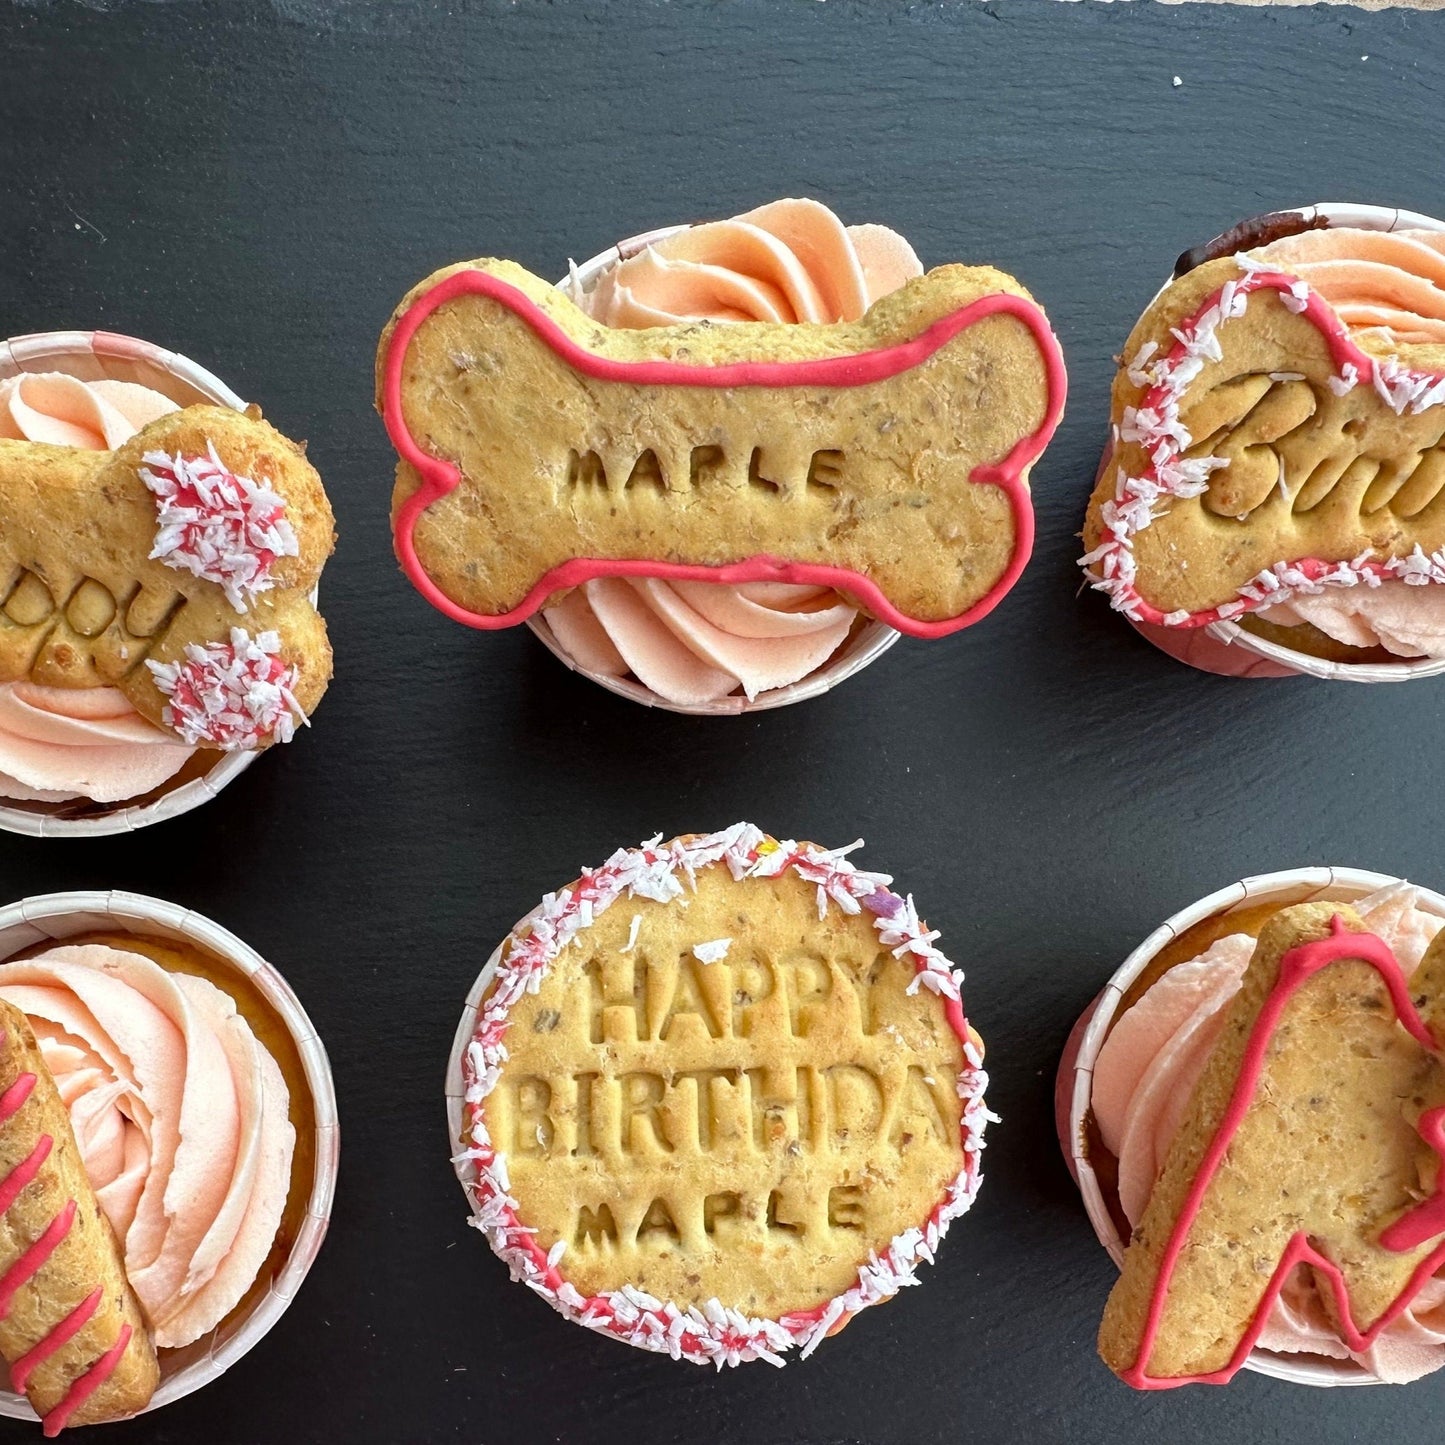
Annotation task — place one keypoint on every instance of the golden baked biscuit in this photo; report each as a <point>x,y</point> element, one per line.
<point>71,1328</point>
<point>888,457</point>
<point>1260,452</point>
<point>721,1096</point>
<point>1313,1140</point>
<point>177,568</point>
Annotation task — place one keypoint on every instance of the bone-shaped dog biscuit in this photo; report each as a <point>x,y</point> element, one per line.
<point>1310,1141</point>
<point>213,493</point>
<point>1261,450</point>
<point>888,456</point>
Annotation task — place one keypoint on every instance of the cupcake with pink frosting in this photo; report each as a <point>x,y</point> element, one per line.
<point>202,1107</point>
<point>79,745</point>
<point>1131,1066</point>
<point>707,646</point>
<point>1381,272</point>
<point>78,759</point>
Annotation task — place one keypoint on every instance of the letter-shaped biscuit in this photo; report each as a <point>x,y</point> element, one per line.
<point>1309,1142</point>
<point>888,457</point>
<point>71,1328</point>
<point>1259,452</point>
<point>177,568</point>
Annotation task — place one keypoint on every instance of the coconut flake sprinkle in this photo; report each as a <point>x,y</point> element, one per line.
<point>215,524</point>
<point>1155,425</point>
<point>711,1333</point>
<point>230,695</point>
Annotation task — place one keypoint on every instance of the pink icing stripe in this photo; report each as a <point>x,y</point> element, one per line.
<point>16,1094</point>
<point>86,1385</point>
<point>33,1260</point>
<point>67,1329</point>
<point>1295,968</point>
<point>439,477</point>
<point>23,1173</point>
<point>1125,595</point>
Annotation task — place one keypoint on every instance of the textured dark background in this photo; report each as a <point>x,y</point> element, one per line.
<point>256,186</point>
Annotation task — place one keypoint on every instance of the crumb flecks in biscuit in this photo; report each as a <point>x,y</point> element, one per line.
<point>1256,441</point>
<point>1302,1141</point>
<point>83,603</point>
<point>884,456</point>
<point>788,1129</point>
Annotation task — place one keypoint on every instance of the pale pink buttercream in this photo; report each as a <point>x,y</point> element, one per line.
<point>1390,284</point>
<point>1144,1076</point>
<point>182,1118</point>
<point>58,744</point>
<point>97,416</point>
<point>696,642</point>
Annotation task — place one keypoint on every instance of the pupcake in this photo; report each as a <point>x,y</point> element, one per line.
<point>717,1096</point>
<point>1253,1104</point>
<point>703,506</point>
<point>1269,500</point>
<point>157,566</point>
<point>166,1135</point>
<point>707,646</point>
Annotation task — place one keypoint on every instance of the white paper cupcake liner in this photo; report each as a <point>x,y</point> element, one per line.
<point>99,356</point>
<point>868,642</point>
<point>1074,1086</point>
<point>1230,650</point>
<point>59,916</point>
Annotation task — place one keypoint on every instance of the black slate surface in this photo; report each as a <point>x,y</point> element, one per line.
<point>256,186</point>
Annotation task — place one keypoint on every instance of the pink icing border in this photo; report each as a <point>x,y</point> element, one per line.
<point>1155,424</point>
<point>1408,1232</point>
<point>713,1333</point>
<point>439,477</point>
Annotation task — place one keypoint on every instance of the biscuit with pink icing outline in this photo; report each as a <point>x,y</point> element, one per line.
<point>1313,1140</point>
<point>1261,452</point>
<point>887,457</point>
<point>177,568</point>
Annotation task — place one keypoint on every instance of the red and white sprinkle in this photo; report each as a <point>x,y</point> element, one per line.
<point>230,695</point>
<point>711,1333</point>
<point>215,524</point>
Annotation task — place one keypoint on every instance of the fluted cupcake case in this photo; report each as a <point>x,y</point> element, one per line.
<point>99,356</point>
<point>869,640</point>
<point>59,916</point>
<point>1074,1084</point>
<point>1230,650</point>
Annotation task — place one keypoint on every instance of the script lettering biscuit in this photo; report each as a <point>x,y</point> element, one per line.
<point>888,457</point>
<point>1261,452</point>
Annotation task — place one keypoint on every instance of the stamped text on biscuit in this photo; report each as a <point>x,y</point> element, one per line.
<point>693,1104</point>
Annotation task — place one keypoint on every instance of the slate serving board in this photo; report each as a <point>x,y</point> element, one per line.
<point>256,185</point>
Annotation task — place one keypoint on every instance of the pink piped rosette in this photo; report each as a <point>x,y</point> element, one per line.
<point>1073,1088</point>
<point>712,1333</point>
<point>1222,646</point>
<point>62,917</point>
<point>213,524</point>
<point>868,640</point>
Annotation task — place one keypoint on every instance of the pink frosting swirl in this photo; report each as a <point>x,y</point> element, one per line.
<point>182,1118</point>
<point>59,744</point>
<point>696,642</point>
<point>1144,1076</point>
<point>1391,285</point>
<point>97,416</point>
